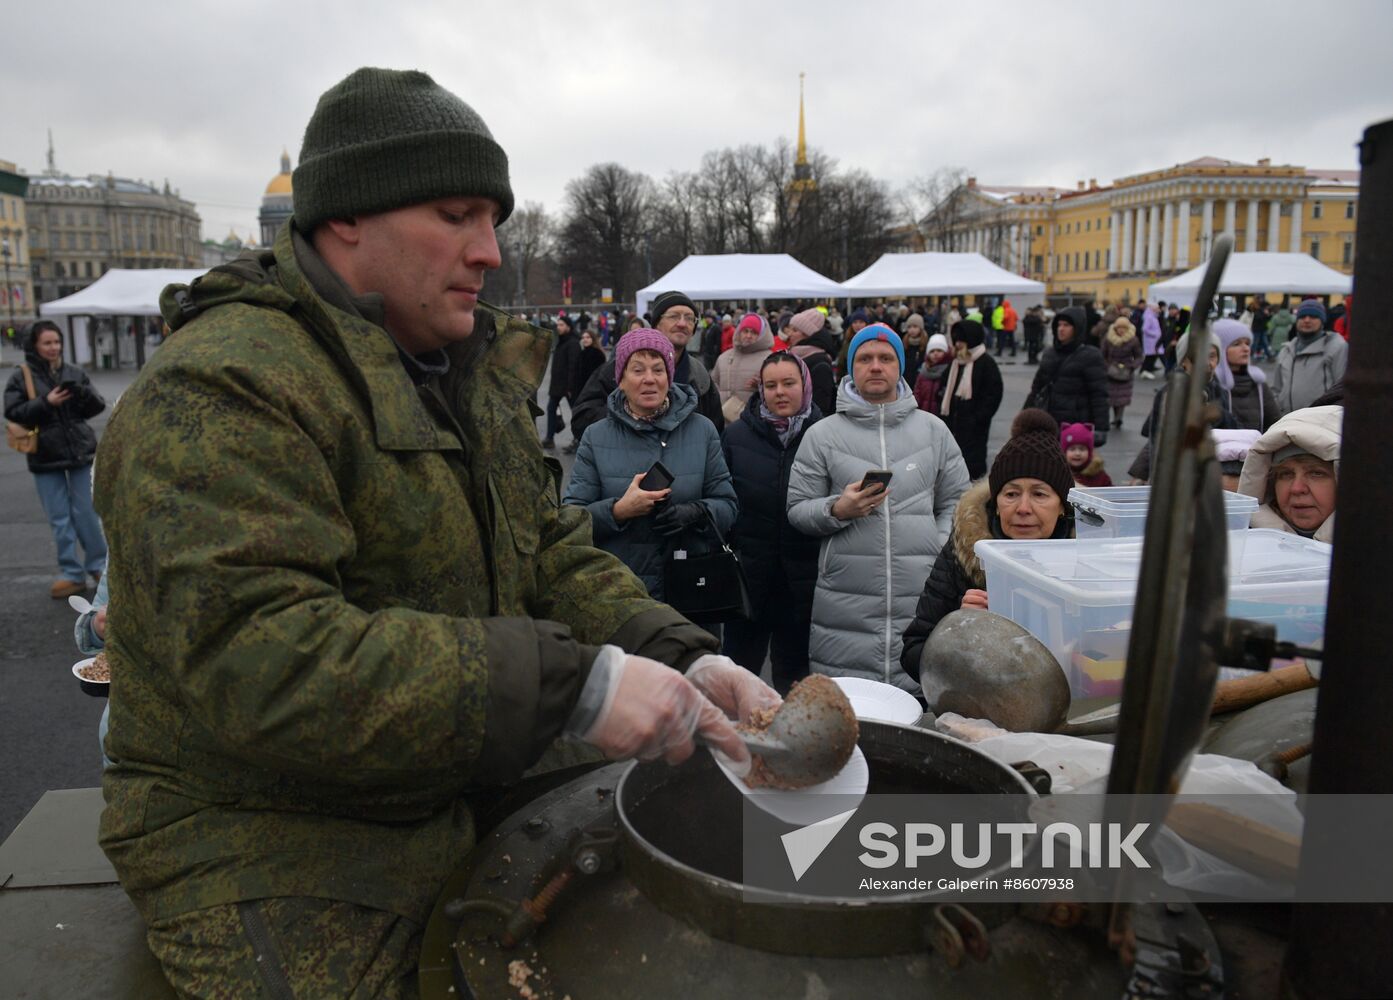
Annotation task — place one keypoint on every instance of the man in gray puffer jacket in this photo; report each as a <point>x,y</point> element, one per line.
<point>878,546</point>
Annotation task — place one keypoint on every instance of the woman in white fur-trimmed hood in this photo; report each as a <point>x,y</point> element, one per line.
<point>1293,470</point>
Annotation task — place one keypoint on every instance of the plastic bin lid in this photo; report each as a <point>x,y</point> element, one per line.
<point>1133,500</point>
<point>1104,571</point>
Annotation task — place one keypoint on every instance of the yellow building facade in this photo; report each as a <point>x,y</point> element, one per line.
<point>1108,243</point>
<point>17,304</point>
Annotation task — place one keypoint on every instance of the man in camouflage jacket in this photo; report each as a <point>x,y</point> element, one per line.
<point>344,593</point>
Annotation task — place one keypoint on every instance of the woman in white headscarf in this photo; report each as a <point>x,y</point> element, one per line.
<point>1293,470</point>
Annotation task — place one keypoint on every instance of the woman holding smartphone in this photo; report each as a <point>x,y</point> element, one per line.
<point>57,399</point>
<point>651,419</point>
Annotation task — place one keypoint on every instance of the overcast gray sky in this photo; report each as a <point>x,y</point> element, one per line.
<point>206,94</point>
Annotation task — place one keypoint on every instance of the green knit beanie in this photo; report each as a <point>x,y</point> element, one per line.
<point>383,139</point>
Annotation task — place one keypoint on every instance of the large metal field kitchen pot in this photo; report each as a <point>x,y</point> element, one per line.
<point>635,871</point>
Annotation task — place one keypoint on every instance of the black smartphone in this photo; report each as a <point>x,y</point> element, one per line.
<point>68,385</point>
<point>881,476</point>
<point>656,478</point>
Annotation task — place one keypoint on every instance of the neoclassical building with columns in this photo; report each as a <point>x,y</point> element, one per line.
<point>1109,242</point>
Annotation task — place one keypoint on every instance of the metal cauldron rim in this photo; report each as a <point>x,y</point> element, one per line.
<point>724,886</point>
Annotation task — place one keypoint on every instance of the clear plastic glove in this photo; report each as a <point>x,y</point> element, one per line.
<point>732,688</point>
<point>673,519</point>
<point>649,711</point>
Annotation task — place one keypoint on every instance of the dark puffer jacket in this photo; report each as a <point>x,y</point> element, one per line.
<point>1252,403</point>
<point>618,448</point>
<point>780,562</point>
<point>1072,380</point>
<point>66,440</point>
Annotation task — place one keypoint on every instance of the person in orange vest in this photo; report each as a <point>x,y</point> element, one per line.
<point>1004,319</point>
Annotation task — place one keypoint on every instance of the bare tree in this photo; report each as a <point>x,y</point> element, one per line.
<point>604,238</point>
<point>937,205</point>
<point>526,243</point>
<point>855,215</point>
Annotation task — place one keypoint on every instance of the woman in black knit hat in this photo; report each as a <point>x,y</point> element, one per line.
<point>1025,496</point>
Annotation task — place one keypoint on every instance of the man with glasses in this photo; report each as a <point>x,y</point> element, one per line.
<point>676,320</point>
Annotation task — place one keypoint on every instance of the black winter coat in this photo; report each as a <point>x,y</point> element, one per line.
<point>779,561</point>
<point>970,420</point>
<point>563,363</point>
<point>822,369</point>
<point>1253,404</point>
<point>1072,380</point>
<point>66,440</point>
<point>587,361</point>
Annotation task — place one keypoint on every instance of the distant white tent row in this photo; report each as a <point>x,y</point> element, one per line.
<point>707,277</point>
<point>941,274</point>
<point>1251,273</point>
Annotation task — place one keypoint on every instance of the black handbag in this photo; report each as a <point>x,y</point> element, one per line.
<point>707,588</point>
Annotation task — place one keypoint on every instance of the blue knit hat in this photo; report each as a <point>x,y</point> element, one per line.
<point>876,331</point>
<point>1311,307</point>
<point>860,314</point>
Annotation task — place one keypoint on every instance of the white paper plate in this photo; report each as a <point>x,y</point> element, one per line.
<point>880,702</point>
<point>806,806</point>
<point>86,663</point>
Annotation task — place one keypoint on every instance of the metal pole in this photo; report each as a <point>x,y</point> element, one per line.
<point>1342,949</point>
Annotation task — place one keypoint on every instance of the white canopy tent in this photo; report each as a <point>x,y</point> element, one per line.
<point>119,292</point>
<point>1286,273</point>
<point>707,277</point>
<point>937,273</point>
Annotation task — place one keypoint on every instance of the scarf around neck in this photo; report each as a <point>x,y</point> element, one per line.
<point>961,374</point>
<point>649,418</point>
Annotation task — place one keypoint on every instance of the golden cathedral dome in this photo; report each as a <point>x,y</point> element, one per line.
<point>280,184</point>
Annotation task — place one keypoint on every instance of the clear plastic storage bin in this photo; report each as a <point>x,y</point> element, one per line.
<point>1076,595</point>
<point>1120,512</point>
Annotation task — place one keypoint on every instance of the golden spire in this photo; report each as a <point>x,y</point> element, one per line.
<point>802,135</point>
<point>802,182</point>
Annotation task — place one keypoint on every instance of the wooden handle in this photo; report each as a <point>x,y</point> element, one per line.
<point>1239,840</point>
<point>1240,692</point>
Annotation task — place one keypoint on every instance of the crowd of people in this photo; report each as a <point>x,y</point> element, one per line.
<point>850,471</point>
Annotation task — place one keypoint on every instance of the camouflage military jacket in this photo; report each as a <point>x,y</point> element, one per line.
<point>338,601</point>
